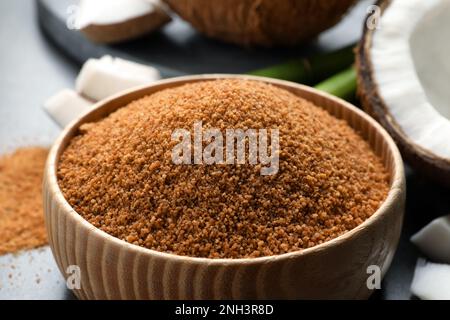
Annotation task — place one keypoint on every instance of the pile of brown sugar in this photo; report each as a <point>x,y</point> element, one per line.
<point>21,213</point>
<point>118,174</point>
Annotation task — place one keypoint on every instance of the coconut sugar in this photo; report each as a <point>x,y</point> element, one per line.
<point>21,213</point>
<point>118,174</point>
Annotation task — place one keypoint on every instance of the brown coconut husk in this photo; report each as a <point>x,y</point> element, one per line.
<point>424,161</point>
<point>261,22</point>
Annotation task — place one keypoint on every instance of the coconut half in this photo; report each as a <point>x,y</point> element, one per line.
<point>113,21</point>
<point>261,22</point>
<point>403,77</point>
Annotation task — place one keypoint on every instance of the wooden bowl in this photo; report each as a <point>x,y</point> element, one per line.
<point>114,269</point>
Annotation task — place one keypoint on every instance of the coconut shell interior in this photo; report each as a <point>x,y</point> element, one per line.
<point>424,161</point>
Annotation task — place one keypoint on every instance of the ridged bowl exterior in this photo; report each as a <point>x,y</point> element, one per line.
<point>114,269</point>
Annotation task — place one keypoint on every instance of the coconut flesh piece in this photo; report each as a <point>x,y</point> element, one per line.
<point>431,281</point>
<point>111,21</point>
<point>105,12</point>
<point>102,78</point>
<point>65,106</point>
<point>434,240</point>
<point>409,55</point>
<point>98,79</point>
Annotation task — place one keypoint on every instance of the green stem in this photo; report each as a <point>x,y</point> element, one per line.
<point>310,70</point>
<point>342,85</point>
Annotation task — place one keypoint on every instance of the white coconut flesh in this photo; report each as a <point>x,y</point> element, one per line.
<point>411,69</point>
<point>431,281</point>
<point>102,78</point>
<point>434,239</point>
<point>108,12</point>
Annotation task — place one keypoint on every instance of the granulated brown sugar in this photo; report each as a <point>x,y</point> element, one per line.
<point>118,174</point>
<point>21,214</point>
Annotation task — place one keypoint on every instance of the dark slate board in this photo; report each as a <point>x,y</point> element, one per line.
<point>179,49</point>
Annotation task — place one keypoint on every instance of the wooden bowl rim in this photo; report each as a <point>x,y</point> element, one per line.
<point>397,184</point>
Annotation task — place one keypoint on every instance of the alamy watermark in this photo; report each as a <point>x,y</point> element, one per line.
<point>72,22</point>
<point>73,281</point>
<point>373,281</point>
<point>211,146</point>
<point>374,16</point>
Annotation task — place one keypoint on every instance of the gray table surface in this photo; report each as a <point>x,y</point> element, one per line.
<point>32,69</point>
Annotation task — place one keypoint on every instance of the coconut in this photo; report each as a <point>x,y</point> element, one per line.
<point>113,21</point>
<point>65,106</point>
<point>403,72</point>
<point>434,239</point>
<point>104,77</point>
<point>261,22</point>
<point>431,281</point>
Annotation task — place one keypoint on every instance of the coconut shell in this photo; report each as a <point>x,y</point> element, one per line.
<point>422,160</point>
<point>261,22</point>
<point>127,30</point>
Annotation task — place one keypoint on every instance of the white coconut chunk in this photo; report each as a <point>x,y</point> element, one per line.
<point>431,281</point>
<point>107,12</point>
<point>434,239</point>
<point>65,106</point>
<point>411,68</point>
<point>102,78</point>
<point>136,69</point>
<point>113,21</point>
